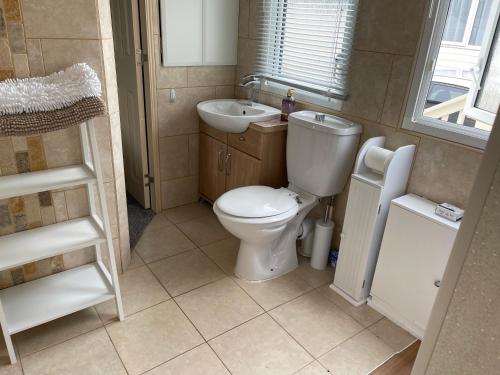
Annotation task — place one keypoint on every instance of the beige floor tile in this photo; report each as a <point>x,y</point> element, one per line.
<point>153,336</point>
<point>363,314</point>
<point>218,307</point>
<point>394,336</point>
<point>275,292</point>
<point>162,243</point>
<point>357,356</point>
<point>140,289</point>
<point>316,323</point>
<point>204,230</point>
<point>158,222</point>
<point>314,368</point>
<point>92,353</point>
<point>187,271</point>
<point>314,277</point>
<point>135,261</point>
<point>198,361</point>
<point>260,346</point>
<point>57,331</point>
<point>224,253</point>
<point>188,212</point>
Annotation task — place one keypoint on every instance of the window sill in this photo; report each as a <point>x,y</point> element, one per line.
<point>439,129</point>
<point>302,96</point>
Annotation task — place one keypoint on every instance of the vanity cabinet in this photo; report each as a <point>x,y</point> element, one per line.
<point>229,161</point>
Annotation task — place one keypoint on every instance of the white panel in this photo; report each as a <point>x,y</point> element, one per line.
<point>357,234</point>
<point>413,256</point>
<point>220,31</point>
<point>182,29</point>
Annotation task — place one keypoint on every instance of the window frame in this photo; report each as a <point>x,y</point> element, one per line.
<point>414,119</point>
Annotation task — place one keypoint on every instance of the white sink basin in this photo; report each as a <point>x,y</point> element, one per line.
<point>234,116</point>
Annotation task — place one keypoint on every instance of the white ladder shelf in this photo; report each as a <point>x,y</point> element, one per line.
<point>36,302</point>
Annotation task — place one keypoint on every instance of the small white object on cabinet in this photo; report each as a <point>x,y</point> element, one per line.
<point>379,176</point>
<point>199,32</point>
<point>415,250</point>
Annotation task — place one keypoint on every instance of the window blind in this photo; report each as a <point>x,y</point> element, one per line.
<point>306,43</point>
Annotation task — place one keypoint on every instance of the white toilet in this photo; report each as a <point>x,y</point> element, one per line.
<point>320,155</point>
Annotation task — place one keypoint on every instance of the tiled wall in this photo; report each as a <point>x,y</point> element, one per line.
<point>468,340</point>
<point>384,48</point>
<point>39,37</point>
<point>178,122</point>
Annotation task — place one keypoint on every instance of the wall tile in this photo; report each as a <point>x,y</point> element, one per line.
<point>36,152</point>
<point>5,57</point>
<point>396,91</point>
<point>390,26</point>
<point>76,203</point>
<point>22,162</point>
<point>3,24</point>
<point>61,212</point>
<point>62,147</point>
<point>171,77</point>
<point>174,157</point>
<point>48,215</point>
<point>32,211</point>
<point>210,75</point>
<point>35,58</point>
<point>54,19</point>
<point>224,92</point>
<point>12,10</point>
<point>194,148</point>
<point>15,31</point>
<point>180,117</point>
<point>443,172</point>
<point>58,54</point>
<point>45,199</point>
<point>19,144</point>
<point>112,208</point>
<point>179,192</point>
<point>6,73</point>
<point>21,65</point>
<point>105,25</point>
<point>368,82</point>
<point>243,18</point>
<point>104,146</point>
<point>253,19</point>
<point>7,161</point>
<point>246,57</point>
<point>110,88</point>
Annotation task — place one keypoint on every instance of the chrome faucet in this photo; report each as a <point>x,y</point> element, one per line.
<point>252,82</point>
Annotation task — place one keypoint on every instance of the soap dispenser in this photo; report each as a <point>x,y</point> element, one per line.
<point>287,105</point>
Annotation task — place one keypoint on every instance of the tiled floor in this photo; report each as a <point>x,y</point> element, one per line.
<point>187,314</point>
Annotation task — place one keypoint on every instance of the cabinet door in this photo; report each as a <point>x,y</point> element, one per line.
<point>212,168</point>
<point>182,32</point>
<point>241,169</point>
<point>220,32</point>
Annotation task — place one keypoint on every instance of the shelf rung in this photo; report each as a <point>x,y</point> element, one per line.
<point>44,242</point>
<point>50,179</point>
<point>40,301</point>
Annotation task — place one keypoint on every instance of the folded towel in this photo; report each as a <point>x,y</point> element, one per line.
<point>52,92</point>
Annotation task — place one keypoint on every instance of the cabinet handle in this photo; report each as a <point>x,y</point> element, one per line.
<point>220,162</point>
<point>437,283</point>
<point>228,164</point>
<point>242,138</point>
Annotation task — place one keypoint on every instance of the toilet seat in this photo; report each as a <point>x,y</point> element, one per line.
<point>257,202</point>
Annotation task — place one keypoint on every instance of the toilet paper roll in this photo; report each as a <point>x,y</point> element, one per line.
<point>377,158</point>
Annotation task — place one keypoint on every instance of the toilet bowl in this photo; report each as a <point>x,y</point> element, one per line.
<point>266,220</point>
<point>320,156</point>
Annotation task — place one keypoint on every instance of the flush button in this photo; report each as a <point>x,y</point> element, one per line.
<point>320,117</point>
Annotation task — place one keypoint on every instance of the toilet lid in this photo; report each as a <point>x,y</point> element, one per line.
<point>256,201</point>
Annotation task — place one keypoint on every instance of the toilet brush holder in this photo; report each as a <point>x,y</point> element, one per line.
<point>321,244</point>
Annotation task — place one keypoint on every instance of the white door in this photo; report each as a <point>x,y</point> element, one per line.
<point>128,56</point>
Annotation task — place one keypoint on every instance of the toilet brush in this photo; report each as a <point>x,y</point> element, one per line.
<point>322,239</point>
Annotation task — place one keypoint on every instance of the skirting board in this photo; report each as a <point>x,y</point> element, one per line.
<point>346,296</point>
<point>385,310</point>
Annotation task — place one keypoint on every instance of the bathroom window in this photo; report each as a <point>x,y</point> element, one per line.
<point>306,44</point>
<point>455,93</point>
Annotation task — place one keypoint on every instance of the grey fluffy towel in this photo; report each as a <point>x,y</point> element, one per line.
<point>43,122</point>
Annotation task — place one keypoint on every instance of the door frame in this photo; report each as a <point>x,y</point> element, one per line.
<point>147,19</point>
<point>465,235</point>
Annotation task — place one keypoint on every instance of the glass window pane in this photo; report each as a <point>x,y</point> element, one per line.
<point>457,20</point>
<point>477,33</point>
<point>489,95</point>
